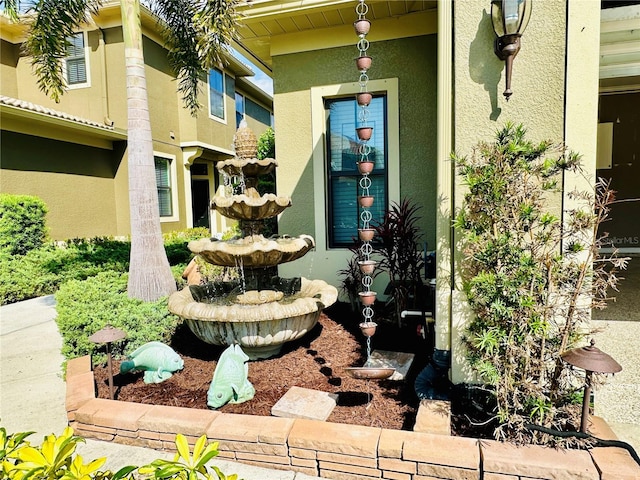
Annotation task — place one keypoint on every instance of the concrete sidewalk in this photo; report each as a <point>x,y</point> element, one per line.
<point>32,391</point>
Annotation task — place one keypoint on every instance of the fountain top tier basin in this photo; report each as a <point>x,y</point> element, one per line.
<point>249,205</point>
<point>250,167</point>
<point>253,251</point>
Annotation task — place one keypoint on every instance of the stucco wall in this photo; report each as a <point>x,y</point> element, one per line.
<point>74,181</point>
<point>413,61</point>
<point>548,101</point>
<point>9,55</point>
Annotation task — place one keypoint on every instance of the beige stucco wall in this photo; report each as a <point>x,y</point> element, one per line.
<point>74,181</point>
<point>553,102</point>
<point>413,62</point>
<point>9,55</point>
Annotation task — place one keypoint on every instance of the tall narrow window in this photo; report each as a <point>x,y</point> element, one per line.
<point>75,63</point>
<point>216,93</point>
<point>240,109</point>
<point>342,172</point>
<point>163,181</point>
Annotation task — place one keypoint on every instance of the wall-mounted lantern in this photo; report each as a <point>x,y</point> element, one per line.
<point>509,18</point>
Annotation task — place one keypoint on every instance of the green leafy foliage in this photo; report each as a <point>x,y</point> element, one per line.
<point>530,279</point>
<point>56,459</point>
<point>84,307</point>
<point>267,144</point>
<point>42,270</point>
<point>401,252</point>
<point>22,224</point>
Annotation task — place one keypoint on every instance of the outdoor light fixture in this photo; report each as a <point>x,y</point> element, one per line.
<point>591,359</point>
<point>509,18</point>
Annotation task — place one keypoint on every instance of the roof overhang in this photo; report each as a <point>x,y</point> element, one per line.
<point>29,119</point>
<point>620,49</point>
<point>276,27</point>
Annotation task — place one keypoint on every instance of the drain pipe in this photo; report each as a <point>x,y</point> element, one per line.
<point>433,381</point>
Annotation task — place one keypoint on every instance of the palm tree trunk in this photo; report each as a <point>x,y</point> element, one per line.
<point>150,276</point>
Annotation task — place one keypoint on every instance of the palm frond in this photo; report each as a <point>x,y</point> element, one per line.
<point>52,23</point>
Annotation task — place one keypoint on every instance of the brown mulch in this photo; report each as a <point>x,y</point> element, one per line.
<point>317,361</point>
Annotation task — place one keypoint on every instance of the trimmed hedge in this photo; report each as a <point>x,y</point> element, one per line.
<point>22,223</point>
<point>85,307</point>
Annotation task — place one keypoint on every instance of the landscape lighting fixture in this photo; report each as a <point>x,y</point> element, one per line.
<point>509,18</point>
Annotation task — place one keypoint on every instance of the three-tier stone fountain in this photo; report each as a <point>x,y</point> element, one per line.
<point>260,311</point>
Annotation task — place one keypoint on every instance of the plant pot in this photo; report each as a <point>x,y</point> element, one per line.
<point>366,234</point>
<point>362,26</point>
<point>363,98</point>
<point>364,133</point>
<point>368,328</point>
<point>367,298</point>
<point>363,63</point>
<point>365,167</point>
<point>365,200</point>
<point>367,266</point>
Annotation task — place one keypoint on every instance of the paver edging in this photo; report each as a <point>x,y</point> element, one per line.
<point>331,450</point>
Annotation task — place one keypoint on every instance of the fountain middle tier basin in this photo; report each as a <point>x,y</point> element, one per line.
<point>260,328</point>
<point>253,251</point>
<point>250,205</point>
<point>249,167</point>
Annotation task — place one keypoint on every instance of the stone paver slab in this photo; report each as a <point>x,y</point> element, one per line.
<point>306,403</point>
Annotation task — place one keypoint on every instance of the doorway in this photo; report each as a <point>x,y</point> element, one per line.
<point>200,201</point>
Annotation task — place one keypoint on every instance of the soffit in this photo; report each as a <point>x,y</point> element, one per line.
<point>262,20</point>
<point>620,47</point>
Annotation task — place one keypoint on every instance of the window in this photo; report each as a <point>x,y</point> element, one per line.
<point>163,181</point>
<point>75,63</point>
<point>239,109</point>
<point>342,172</point>
<point>216,94</point>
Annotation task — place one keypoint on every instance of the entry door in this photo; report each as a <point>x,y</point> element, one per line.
<point>200,202</point>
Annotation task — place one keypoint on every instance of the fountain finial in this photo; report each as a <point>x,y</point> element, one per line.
<point>245,142</point>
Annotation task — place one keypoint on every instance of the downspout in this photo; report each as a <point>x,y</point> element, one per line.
<point>433,381</point>
<point>105,91</point>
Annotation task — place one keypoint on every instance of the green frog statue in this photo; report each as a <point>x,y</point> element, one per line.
<point>230,382</point>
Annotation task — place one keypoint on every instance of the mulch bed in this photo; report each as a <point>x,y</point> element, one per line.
<point>317,361</point>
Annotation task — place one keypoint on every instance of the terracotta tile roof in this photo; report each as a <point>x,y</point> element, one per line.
<point>32,107</point>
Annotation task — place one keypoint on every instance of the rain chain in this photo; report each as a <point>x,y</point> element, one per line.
<point>365,166</point>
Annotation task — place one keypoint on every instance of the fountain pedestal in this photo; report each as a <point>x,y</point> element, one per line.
<point>263,311</point>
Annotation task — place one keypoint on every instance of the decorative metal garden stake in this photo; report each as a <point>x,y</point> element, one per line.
<point>107,336</point>
<point>591,359</point>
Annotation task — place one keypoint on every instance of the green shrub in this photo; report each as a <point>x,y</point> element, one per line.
<point>22,223</point>
<point>42,271</point>
<point>84,307</point>
<point>175,243</point>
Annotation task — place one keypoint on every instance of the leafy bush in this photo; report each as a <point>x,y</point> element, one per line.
<point>22,223</point>
<point>42,271</point>
<point>175,243</point>
<point>267,144</point>
<point>84,307</point>
<point>529,278</point>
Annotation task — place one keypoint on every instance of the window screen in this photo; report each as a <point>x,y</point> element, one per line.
<point>342,172</point>
<point>75,62</point>
<point>239,109</point>
<point>216,93</point>
<point>163,181</point>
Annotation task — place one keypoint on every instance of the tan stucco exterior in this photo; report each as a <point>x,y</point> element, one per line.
<point>80,171</point>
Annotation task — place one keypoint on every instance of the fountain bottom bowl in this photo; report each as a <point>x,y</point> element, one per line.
<point>260,330</point>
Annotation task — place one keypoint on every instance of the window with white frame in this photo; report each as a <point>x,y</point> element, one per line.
<point>216,94</point>
<point>342,172</point>
<point>164,184</point>
<point>75,63</point>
